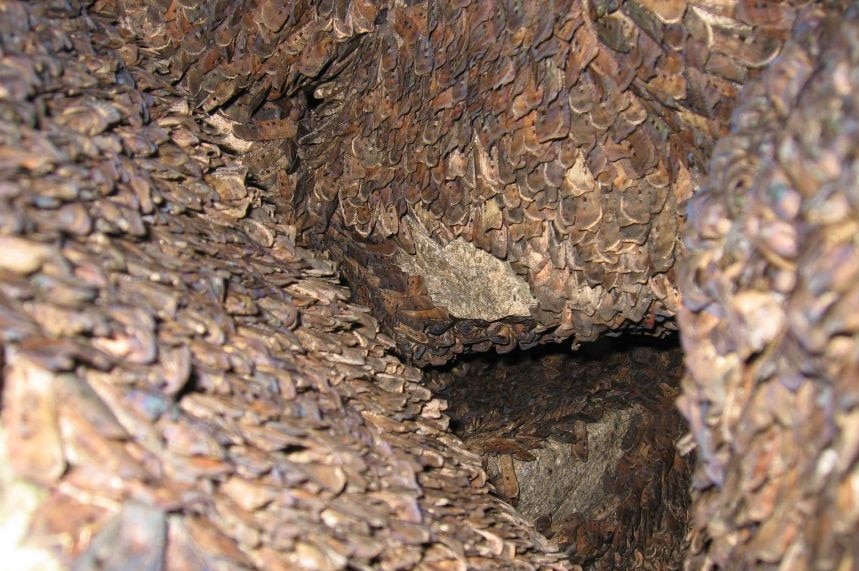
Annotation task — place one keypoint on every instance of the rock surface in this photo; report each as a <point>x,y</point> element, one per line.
<point>183,387</point>
<point>559,483</point>
<point>770,294</point>
<point>583,443</point>
<point>494,289</point>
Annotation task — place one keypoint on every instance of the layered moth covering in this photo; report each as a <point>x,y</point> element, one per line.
<point>769,326</point>
<point>183,387</point>
<point>584,444</point>
<point>561,139</point>
<point>187,383</point>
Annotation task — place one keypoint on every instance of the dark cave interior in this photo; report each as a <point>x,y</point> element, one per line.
<point>187,384</point>
<point>585,443</point>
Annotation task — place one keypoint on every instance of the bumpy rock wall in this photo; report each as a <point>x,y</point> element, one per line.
<point>560,138</point>
<point>183,384</point>
<point>770,295</point>
<point>183,387</point>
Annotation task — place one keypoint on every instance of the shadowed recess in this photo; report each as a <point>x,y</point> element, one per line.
<point>584,443</point>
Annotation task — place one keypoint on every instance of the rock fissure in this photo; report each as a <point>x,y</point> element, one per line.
<point>187,384</point>
<point>582,443</point>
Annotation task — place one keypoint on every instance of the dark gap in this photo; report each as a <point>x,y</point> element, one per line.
<point>313,102</point>
<point>583,442</point>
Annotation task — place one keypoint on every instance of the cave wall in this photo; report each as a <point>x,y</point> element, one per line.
<point>561,138</point>
<point>584,443</point>
<point>182,382</point>
<point>184,387</point>
<point>770,298</point>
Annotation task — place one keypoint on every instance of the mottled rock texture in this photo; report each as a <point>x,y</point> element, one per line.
<point>562,138</point>
<point>184,384</point>
<point>183,387</point>
<point>769,321</point>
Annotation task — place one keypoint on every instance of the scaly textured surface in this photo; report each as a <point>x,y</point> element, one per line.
<point>770,291</point>
<point>562,138</point>
<point>183,385</point>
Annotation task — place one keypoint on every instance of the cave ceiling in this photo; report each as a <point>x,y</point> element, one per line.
<point>563,140</point>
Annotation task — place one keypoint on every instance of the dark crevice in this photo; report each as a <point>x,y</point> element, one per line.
<point>583,442</point>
